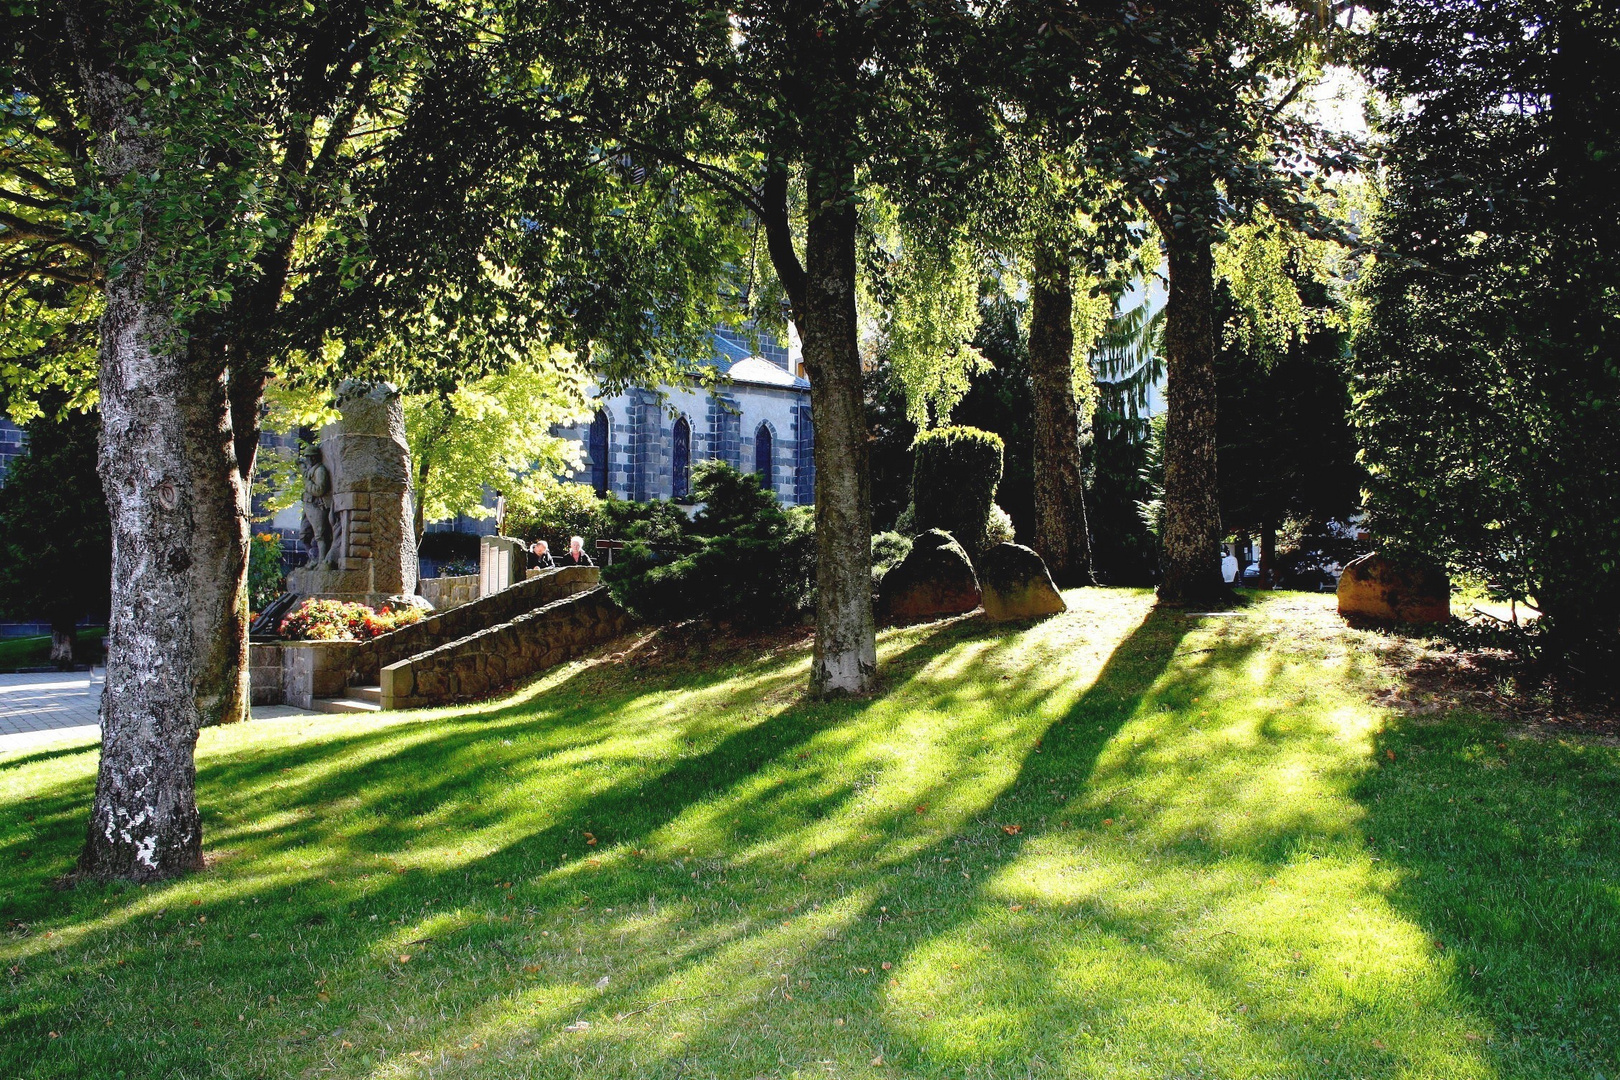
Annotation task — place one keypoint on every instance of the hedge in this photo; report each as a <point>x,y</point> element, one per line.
<point>955,473</point>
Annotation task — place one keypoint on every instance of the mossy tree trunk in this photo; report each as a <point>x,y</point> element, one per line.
<point>822,294</point>
<point>1061,535</point>
<point>177,642</point>
<point>1192,512</point>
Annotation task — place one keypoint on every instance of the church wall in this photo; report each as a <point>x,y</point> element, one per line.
<point>723,423</point>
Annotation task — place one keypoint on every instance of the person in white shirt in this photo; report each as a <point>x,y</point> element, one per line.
<point>576,553</point>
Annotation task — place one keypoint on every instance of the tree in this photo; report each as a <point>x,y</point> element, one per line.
<point>1286,446</point>
<point>1182,110</point>
<point>55,551</point>
<point>250,184</point>
<point>1487,379</point>
<point>759,99</point>
<point>493,432</point>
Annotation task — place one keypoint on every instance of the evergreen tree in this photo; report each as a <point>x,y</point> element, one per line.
<point>1488,366</point>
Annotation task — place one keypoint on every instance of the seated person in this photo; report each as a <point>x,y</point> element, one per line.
<point>540,556</point>
<point>576,553</point>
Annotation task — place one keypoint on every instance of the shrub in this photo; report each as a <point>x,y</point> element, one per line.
<point>953,483</point>
<point>888,550</point>
<point>750,562</point>
<point>265,579</point>
<point>555,514</point>
<point>659,524</point>
<point>998,527</point>
<point>341,620</point>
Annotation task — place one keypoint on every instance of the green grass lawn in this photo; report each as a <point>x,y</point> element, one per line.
<point>36,651</point>
<point>1117,843</point>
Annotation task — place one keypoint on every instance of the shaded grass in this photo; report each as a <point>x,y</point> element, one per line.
<point>1117,843</point>
<point>35,651</point>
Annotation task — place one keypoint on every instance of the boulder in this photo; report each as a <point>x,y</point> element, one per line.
<point>935,579</point>
<point>1386,590</point>
<point>1016,584</point>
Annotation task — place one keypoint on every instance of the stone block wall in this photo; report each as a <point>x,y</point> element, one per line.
<point>298,672</point>
<point>445,593</point>
<point>264,674</point>
<point>486,661</point>
<point>435,630</point>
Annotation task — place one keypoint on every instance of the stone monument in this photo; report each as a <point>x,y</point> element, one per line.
<point>502,563</point>
<point>357,503</point>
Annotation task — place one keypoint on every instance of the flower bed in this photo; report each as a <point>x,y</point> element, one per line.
<point>341,620</point>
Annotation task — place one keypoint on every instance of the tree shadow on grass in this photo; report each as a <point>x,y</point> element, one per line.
<point>1063,864</point>
<point>350,799</point>
<point>1507,852</point>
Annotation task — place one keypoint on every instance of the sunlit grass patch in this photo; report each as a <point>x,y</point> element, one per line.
<point>1115,843</point>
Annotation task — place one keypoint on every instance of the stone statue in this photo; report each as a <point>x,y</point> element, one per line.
<point>318,530</point>
<point>357,502</point>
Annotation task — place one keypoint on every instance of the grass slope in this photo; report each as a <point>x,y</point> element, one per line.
<point>1117,843</point>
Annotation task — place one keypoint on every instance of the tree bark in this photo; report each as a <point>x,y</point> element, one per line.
<point>64,636</point>
<point>1192,512</point>
<point>822,294</point>
<point>176,635</point>
<point>1061,535</point>
<point>1268,555</point>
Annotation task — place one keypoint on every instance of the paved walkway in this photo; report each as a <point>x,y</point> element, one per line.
<point>63,707</point>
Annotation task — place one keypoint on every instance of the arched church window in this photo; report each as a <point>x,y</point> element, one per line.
<point>682,477</point>
<point>599,452</point>
<point>764,458</point>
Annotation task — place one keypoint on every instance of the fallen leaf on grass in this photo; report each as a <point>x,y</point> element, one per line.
<point>405,958</point>
<point>578,1025</point>
<point>1012,830</point>
<point>1378,1045</point>
<point>1016,907</point>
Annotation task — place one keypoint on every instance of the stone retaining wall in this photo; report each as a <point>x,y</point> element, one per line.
<point>484,662</point>
<point>445,593</point>
<point>297,672</point>
<point>441,628</point>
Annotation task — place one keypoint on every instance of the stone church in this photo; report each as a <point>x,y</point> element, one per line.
<point>642,444</point>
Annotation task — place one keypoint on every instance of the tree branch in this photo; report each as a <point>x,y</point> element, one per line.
<point>773,212</point>
<point>23,229</point>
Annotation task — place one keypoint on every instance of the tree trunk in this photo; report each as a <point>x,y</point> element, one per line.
<point>1268,555</point>
<point>845,658</point>
<point>1061,536</point>
<point>176,635</point>
<point>1192,513</point>
<point>64,636</point>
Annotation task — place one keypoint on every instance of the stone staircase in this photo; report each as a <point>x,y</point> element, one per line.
<point>355,699</point>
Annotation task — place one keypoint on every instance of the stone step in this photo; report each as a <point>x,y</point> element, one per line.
<point>364,693</point>
<point>344,705</point>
